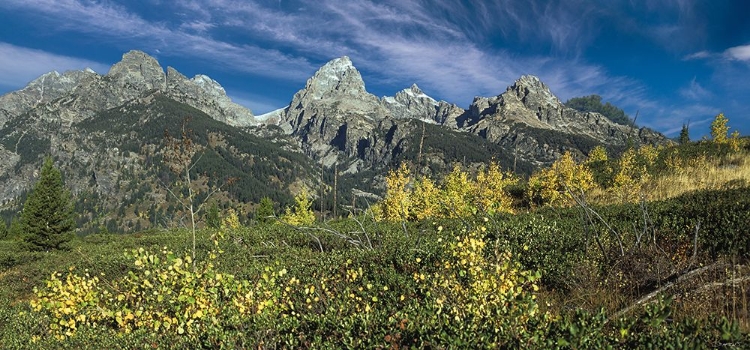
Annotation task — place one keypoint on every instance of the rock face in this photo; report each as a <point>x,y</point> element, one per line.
<point>533,122</point>
<point>78,95</point>
<point>415,104</point>
<point>334,115</point>
<point>208,96</point>
<point>336,119</point>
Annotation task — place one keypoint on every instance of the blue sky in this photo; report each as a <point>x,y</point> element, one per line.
<point>672,61</point>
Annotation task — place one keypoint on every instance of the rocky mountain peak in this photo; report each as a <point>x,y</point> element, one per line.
<point>533,93</point>
<point>209,96</point>
<point>139,70</point>
<point>338,77</point>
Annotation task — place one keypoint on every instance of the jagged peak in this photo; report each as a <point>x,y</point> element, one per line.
<point>340,64</point>
<point>208,84</point>
<point>135,58</point>
<point>532,85</point>
<point>337,77</point>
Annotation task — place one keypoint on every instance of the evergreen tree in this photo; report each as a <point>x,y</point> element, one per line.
<point>3,229</point>
<point>684,135</point>
<point>265,210</point>
<point>47,216</point>
<point>213,219</point>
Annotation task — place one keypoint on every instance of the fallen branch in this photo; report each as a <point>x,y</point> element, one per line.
<point>655,293</point>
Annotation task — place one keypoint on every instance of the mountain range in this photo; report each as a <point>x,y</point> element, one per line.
<point>106,133</point>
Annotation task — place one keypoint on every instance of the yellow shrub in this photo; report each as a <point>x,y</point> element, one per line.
<point>425,200</point>
<point>556,185</point>
<point>301,214</point>
<point>396,205</point>
<point>476,290</point>
<point>456,194</point>
<point>490,195</point>
<point>598,154</point>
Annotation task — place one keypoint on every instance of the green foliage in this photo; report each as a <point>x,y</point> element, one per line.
<point>721,215</point>
<point>593,103</point>
<point>684,135</point>
<point>264,213</point>
<point>213,219</point>
<point>3,230</point>
<point>47,217</point>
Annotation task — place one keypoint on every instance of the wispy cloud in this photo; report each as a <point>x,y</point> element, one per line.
<point>20,65</point>
<point>449,48</point>
<point>694,91</point>
<point>106,21</point>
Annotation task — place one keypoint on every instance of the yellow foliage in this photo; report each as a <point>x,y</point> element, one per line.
<point>397,204</point>
<point>554,185</point>
<point>648,154</point>
<point>469,287</point>
<point>628,178</point>
<point>231,220</point>
<point>734,141</point>
<point>456,195</point>
<point>598,154</point>
<point>425,200</point>
<point>490,195</point>
<point>719,129</point>
<point>301,214</point>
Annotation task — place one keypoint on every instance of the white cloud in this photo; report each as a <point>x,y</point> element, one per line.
<point>738,53</point>
<point>441,45</point>
<point>698,55</point>
<point>113,23</point>
<point>20,65</point>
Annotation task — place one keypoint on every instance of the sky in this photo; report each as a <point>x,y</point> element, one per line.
<point>669,62</point>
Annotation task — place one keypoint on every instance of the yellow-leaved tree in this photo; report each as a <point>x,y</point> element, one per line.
<point>456,195</point>
<point>719,129</point>
<point>626,184</point>
<point>425,200</point>
<point>556,185</point>
<point>301,214</point>
<point>396,205</point>
<point>490,195</point>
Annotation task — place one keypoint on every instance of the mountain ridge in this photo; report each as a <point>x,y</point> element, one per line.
<point>105,131</point>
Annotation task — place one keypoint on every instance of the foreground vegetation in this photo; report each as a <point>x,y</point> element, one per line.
<point>635,251</point>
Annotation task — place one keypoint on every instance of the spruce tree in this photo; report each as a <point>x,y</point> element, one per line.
<point>684,135</point>
<point>3,229</point>
<point>265,210</point>
<point>47,216</point>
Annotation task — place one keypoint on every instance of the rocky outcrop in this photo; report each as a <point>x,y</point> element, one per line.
<point>44,89</point>
<point>208,96</point>
<point>413,103</point>
<point>334,114</point>
<point>78,95</point>
<point>532,121</point>
<point>334,117</point>
<point>138,72</point>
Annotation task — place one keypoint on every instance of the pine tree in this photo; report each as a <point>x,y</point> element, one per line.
<point>265,210</point>
<point>684,135</point>
<point>213,218</point>
<point>3,229</point>
<point>47,216</point>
